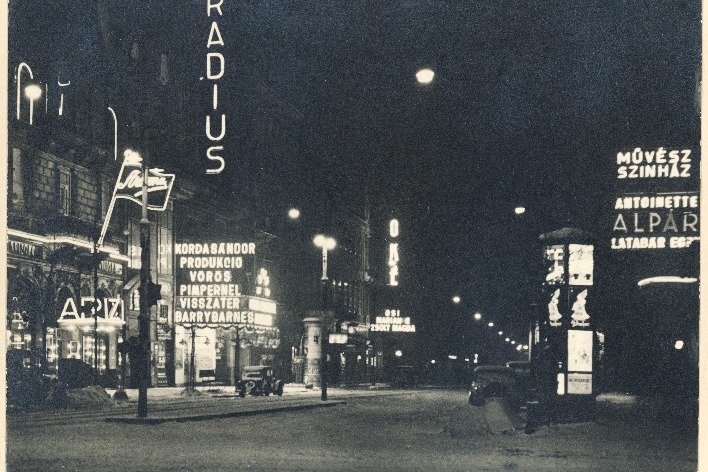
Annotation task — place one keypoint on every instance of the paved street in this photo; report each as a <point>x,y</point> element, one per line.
<point>428,429</point>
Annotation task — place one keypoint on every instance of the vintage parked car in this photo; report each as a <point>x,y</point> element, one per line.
<point>491,381</point>
<point>259,380</point>
<point>521,367</point>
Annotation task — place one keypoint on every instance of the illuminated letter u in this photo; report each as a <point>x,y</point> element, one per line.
<point>223,128</point>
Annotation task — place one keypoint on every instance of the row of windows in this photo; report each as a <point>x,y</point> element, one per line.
<point>23,179</point>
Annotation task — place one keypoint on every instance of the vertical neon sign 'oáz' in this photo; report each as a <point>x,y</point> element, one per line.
<point>393,258</point>
<point>215,65</point>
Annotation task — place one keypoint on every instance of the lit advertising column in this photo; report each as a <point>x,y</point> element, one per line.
<point>313,330</point>
<point>565,366</point>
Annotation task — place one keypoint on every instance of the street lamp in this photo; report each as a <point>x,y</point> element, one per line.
<point>327,244</point>
<point>456,299</point>
<point>477,316</point>
<point>33,92</point>
<point>293,213</point>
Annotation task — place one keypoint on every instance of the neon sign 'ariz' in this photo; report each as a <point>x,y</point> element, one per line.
<point>214,71</point>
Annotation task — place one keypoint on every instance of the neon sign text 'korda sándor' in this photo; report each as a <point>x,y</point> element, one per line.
<point>215,65</point>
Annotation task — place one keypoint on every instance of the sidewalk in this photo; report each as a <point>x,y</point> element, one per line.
<point>210,402</point>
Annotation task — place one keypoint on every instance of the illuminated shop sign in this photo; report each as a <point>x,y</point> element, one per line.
<point>393,322</point>
<point>266,306</point>
<point>393,256</point>
<point>210,286</point>
<point>19,248</point>
<point>656,221</point>
<point>657,203</point>
<point>655,163</point>
<point>129,185</point>
<point>107,308</point>
<point>215,67</point>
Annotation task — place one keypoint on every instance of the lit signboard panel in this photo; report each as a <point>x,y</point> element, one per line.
<point>393,322</point>
<point>657,205</point>
<point>210,286</point>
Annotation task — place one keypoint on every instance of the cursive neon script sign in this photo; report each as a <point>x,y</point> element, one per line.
<point>134,180</point>
<point>130,183</point>
<point>129,186</point>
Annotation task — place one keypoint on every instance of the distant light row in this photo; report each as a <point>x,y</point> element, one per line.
<point>478,317</point>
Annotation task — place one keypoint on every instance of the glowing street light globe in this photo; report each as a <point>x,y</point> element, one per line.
<point>477,316</point>
<point>33,91</point>
<point>519,210</point>
<point>324,242</point>
<point>456,299</point>
<point>294,213</point>
<point>425,76</point>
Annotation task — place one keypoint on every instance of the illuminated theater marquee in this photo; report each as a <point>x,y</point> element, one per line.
<point>657,203</point>
<point>210,278</point>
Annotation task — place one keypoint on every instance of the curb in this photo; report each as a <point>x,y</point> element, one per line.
<point>211,416</point>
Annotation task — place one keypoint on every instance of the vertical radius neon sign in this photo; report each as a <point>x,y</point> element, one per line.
<point>213,74</point>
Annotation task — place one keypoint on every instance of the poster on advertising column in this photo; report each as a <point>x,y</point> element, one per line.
<point>579,351</point>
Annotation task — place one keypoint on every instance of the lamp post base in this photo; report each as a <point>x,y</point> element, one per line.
<point>190,392</point>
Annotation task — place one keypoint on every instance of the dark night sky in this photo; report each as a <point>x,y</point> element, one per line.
<point>531,102</point>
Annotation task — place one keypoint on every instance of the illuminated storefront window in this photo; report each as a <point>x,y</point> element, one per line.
<point>87,343</point>
<point>52,353</point>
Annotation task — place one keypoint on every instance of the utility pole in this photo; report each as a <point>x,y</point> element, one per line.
<point>325,336</point>
<point>144,317</point>
<point>95,303</point>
